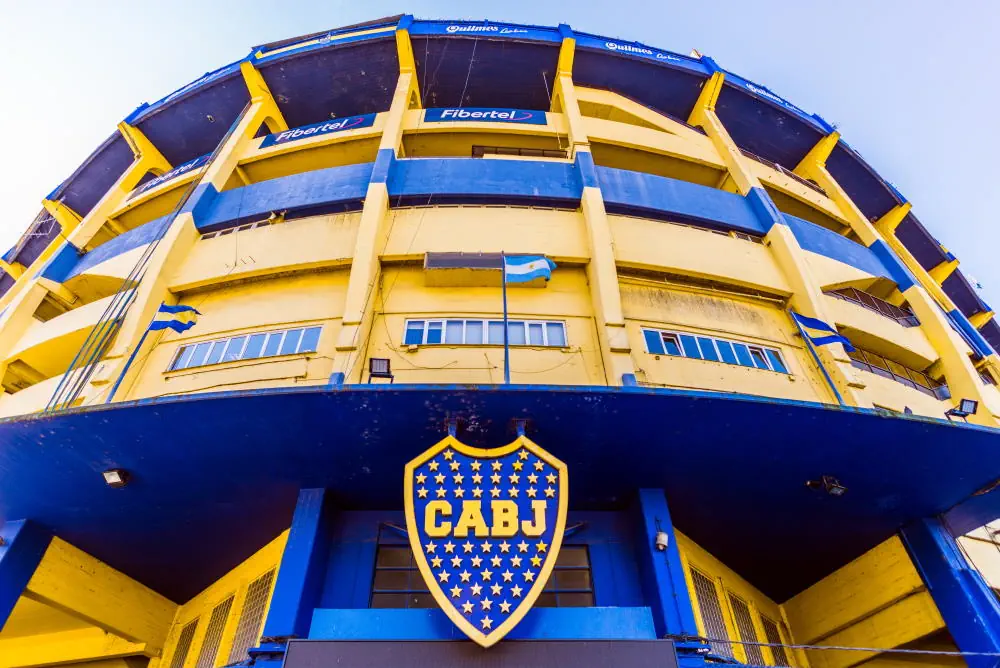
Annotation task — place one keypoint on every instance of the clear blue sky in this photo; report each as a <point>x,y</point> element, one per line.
<point>912,84</point>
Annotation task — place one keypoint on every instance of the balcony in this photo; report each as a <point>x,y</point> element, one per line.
<point>903,316</point>
<point>880,366</point>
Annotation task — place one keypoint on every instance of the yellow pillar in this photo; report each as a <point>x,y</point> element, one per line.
<point>926,297</point>
<point>806,298</point>
<point>941,272</point>
<point>359,303</point>
<point>147,159</point>
<point>979,320</point>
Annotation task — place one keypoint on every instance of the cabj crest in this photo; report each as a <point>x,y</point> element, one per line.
<point>485,527</point>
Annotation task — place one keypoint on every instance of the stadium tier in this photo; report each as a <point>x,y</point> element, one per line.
<point>472,343</point>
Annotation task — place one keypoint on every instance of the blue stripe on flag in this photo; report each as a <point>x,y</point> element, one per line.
<point>829,333</point>
<point>176,325</point>
<point>179,308</point>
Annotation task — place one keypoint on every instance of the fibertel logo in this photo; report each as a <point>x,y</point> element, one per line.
<point>485,527</point>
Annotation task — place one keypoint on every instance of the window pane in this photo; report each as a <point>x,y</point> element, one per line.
<point>707,349</point>
<point>776,363</point>
<point>516,332</point>
<point>743,354</point>
<point>536,335</point>
<point>654,342</point>
<point>573,555</point>
<point>291,342</point>
<point>576,600</point>
<point>453,332</point>
<point>473,332</point>
<point>496,332</point>
<point>273,344</point>
<point>690,346</point>
<point>414,333</point>
<point>254,345</point>
<point>759,360</point>
<point>556,334</point>
<point>398,557</point>
<point>199,354</point>
<point>234,349</point>
<point>389,600</point>
<point>215,354</point>
<point>726,350</point>
<point>183,357</point>
<point>434,331</point>
<point>392,580</point>
<point>310,340</point>
<point>671,345</point>
<point>572,579</point>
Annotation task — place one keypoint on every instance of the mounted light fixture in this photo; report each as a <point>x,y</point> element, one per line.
<point>380,367</point>
<point>827,484</point>
<point>965,408</point>
<point>116,478</point>
<point>662,539</point>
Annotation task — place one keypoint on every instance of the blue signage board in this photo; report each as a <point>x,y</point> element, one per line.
<point>172,174</point>
<point>484,115</point>
<point>637,50</point>
<point>324,128</point>
<point>485,29</point>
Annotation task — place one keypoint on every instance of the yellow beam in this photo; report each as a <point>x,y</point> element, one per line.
<point>818,154</point>
<point>704,116</point>
<point>65,216</point>
<point>978,320</point>
<point>942,271</point>
<point>567,50</point>
<point>259,92</point>
<point>709,95</point>
<point>13,269</point>
<point>67,647</point>
<point>141,146</point>
<point>76,583</point>
<point>887,224</point>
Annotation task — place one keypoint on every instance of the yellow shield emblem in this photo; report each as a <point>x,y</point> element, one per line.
<point>485,527</point>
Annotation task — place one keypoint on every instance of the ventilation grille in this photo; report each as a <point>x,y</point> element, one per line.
<point>183,645</point>
<point>252,617</point>
<point>744,624</point>
<point>711,612</point>
<point>213,634</point>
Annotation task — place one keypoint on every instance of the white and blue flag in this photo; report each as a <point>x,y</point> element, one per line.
<point>179,318</point>
<point>526,268</point>
<point>819,332</point>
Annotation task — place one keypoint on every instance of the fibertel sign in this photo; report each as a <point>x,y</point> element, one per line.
<point>485,527</point>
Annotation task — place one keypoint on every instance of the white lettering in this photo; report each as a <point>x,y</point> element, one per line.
<point>627,48</point>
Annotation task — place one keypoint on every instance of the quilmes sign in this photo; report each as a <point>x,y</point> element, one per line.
<point>326,127</point>
<point>484,115</point>
<point>485,527</point>
<point>172,174</point>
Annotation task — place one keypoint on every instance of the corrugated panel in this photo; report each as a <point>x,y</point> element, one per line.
<point>252,617</point>
<point>183,645</point>
<point>744,625</point>
<point>711,612</point>
<point>213,634</point>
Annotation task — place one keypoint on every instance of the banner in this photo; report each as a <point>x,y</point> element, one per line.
<point>324,128</point>
<point>484,115</point>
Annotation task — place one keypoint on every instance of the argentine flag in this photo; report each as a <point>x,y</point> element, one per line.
<point>526,268</point>
<point>179,318</point>
<point>819,332</point>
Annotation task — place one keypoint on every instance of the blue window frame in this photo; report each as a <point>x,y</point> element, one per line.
<point>246,347</point>
<point>711,349</point>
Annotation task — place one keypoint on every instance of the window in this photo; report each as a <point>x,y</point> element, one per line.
<point>238,228</point>
<point>744,625</point>
<point>774,639</point>
<point>398,582</point>
<point>679,344</point>
<point>246,347</point>
<point>252,617</point>
<point>183,645</point>
<point>213,634</point>
<point>570,584</point>
<point>711,612</point>
<point>869,361</point>
<point>457,332</point>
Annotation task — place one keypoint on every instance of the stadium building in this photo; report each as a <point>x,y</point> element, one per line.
<point>239,340</point>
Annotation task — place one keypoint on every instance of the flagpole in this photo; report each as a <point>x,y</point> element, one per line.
<point>822,368</point>
<point>131,358</point>
<point>506,337</point>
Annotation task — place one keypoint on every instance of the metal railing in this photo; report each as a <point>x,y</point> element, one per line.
<point>99,339</point>
<point>790,174</point>
<point>903,316</point>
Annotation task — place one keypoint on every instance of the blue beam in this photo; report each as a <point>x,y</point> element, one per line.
<point>302,569</point>
<point>661,574</point>
<point>22,544</point>
<point>969,608</point>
